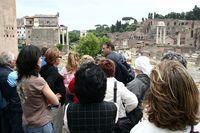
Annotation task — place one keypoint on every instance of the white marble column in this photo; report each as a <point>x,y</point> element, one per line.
<point>63,38</point>
<point>67,39</point>
<point>164,34</point>
<point>161,30</point>
<point>179,39</point>
<point>59,36</point>
<point>157,33</point>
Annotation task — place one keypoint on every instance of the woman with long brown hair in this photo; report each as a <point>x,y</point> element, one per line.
<point>34,92</point>
<point>172,103</point>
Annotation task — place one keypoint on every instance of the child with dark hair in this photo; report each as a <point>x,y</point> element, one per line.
<point>91,114</point>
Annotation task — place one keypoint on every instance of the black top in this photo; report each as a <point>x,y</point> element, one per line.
<point>91,118</point>
<point>123,71</point>
<point>55,80</point>
<point>8,92</point>
<point>11,113</point>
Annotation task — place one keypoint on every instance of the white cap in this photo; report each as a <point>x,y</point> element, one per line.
<point>142,63</point>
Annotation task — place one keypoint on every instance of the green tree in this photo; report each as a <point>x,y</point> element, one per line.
<point>89,45</point>
<point>150,16</point>
<point>59,46</point>
<point>127,19</point>
<point>74,37</point>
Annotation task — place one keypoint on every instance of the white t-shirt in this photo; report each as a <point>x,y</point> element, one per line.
<point>148,127</point>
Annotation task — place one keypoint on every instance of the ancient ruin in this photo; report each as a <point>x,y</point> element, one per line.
<point>8,36</point>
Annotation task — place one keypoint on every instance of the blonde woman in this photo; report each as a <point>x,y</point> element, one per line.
<point>71,67</point>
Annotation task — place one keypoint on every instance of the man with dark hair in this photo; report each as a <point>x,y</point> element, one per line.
<point>123,71</point>
<point>91,114</point>
<point>175,56</point>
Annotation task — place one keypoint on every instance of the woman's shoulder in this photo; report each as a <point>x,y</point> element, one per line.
<point>36,82</point>
<point>197,127</point>
<point>146,127</point>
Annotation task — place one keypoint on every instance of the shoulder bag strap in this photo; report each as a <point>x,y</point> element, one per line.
<point>115,91</point>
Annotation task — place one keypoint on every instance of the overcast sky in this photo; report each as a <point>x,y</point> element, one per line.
<point>84,14</point>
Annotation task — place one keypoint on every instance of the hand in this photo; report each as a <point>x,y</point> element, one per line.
<point>58,96</point>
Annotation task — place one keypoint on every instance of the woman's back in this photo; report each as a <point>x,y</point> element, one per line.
<point>126,100</point>
<point>91,118</point>
<point>35,106</point>
<point>148,127</point>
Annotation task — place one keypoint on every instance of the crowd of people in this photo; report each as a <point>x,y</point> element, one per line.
<point>96,95</point>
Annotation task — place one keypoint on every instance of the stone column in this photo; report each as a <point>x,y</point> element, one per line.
<point>58,35</point>
<point>157,33</point>
<point>164,35</point>
<point>161,30</point>
<point>179,39</point>
<point>63,38</point>
<point>67,39</point>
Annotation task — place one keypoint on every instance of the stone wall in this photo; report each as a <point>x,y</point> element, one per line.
<point>8,26</point>
<point>45,37</point>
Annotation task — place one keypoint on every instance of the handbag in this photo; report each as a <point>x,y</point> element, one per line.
<point>123,125</point>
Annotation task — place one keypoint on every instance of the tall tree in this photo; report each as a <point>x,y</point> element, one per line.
<point>90,45</point>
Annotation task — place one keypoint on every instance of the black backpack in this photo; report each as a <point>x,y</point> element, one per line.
<point>124,71</point>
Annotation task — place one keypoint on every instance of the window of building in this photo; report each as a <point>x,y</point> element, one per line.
<point>7,35</point>
<point>174,23</point>
<point>192,24</point>
<point>168,24</point>
<point>192,34</point>
<point>48,22</point>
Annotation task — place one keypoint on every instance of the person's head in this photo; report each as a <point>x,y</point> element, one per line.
<point>172,101</point>
<point>28,62</point>
<point>142,65</point>
<point>7,59</point>
<point>52,56</point>
<point>43,50</point>
<point>73,61</point>
<point>108,66</point>
<point>175,56</point>
<point>90,83</point>
<point>107,48</point>
<point>86,59</point>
